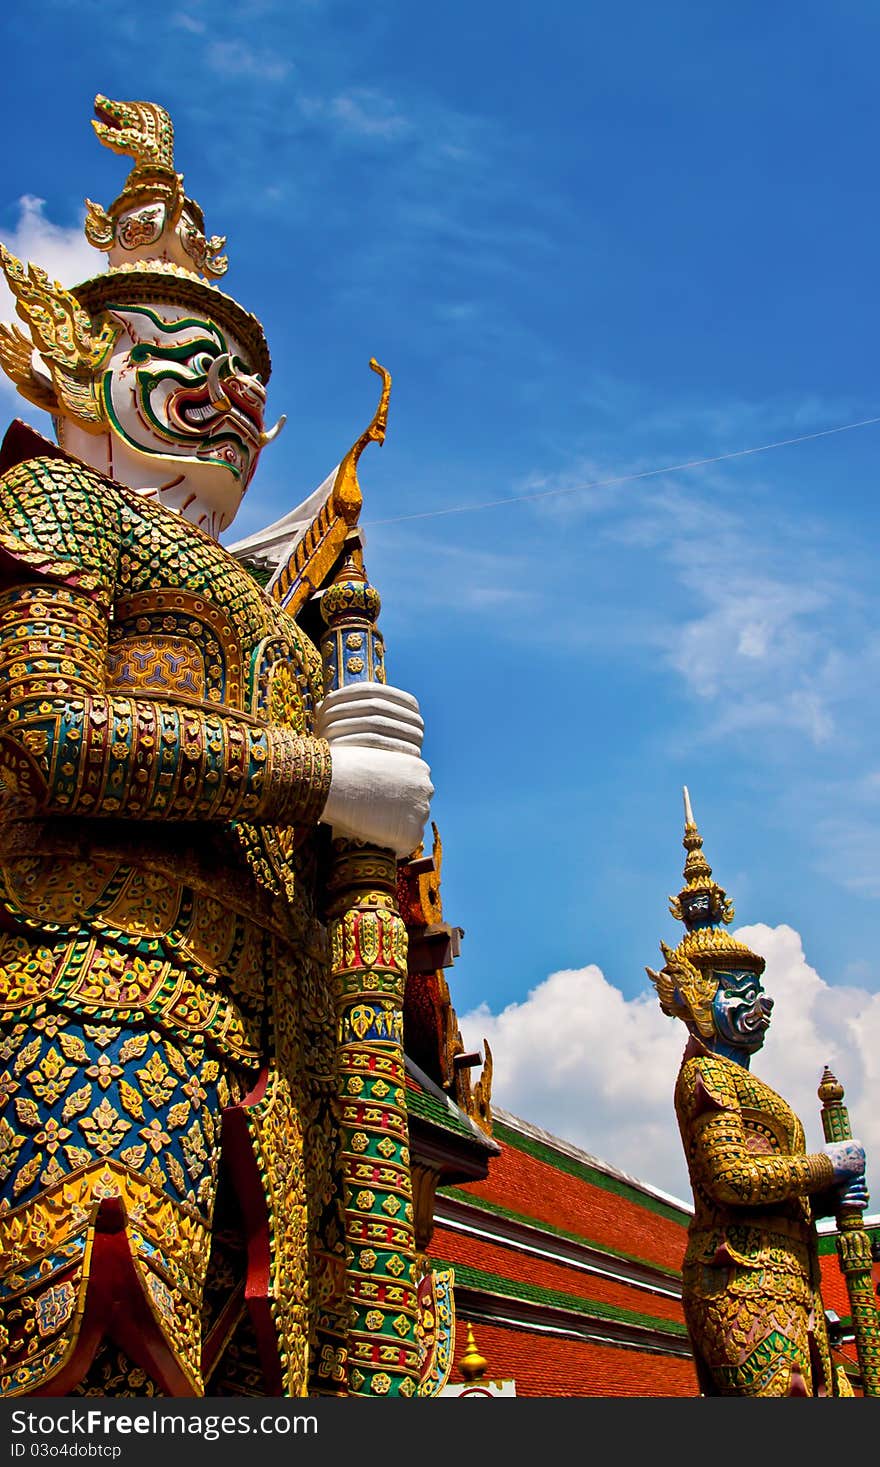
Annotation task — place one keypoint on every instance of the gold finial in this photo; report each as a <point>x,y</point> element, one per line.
<point>830,1089</point>
<point>139,130</point>
<point>687,982</point>
<point>472,1364</point>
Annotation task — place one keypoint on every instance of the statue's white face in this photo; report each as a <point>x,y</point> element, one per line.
<point>184,412</point>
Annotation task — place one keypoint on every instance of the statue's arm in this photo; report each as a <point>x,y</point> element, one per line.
<point>719,1153</point>
<point>737,1177</point>
<point>77,750</point>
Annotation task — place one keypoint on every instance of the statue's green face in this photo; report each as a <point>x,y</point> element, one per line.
<point>178,392</point>
<point>741,1010</point>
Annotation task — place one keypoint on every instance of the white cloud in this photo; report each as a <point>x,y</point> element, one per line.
<point>816,1023</point>
<point>759,642</point>
<point>740,423</point>
<point>592,1067</point>
<point>64,253</point>
<point>849,842</point>
<point>184,22</point>
<point>764,625</point>
<point>237,59</point>
<point>361,112</point>
<point>464,578</point>
<point>766,617</point>
<point>369,113</point>
<point>596,1069</point>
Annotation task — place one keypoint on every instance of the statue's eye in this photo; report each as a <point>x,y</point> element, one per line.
<point>201,362</point>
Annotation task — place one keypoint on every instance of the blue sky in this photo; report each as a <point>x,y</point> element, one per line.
<point>587,241</point>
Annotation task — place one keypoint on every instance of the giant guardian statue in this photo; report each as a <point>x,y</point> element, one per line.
<point>205,1178</point>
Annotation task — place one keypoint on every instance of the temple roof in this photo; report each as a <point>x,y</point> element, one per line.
<point>570,1268</point>
<point>444,1134</point>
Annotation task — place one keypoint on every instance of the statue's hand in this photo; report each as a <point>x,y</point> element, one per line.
<point>372,716</point>
<point>854,1195</point>
<point>847,1158</point>
<point>378,796</point>
<point>380,788</point>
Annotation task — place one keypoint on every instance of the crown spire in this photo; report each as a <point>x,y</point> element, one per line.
<point>152,219</point>
<point>687,982</point>
<point>688,812</point>
<point>701,901</point>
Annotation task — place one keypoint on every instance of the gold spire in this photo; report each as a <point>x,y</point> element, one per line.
<point>346,489</point>
<point>472,1364</point>
<point>686,984</point>
<point>698,878</point>
<point>152,204</point>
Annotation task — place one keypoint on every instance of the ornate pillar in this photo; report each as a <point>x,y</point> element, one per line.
<point>369,951</point>
<point>853,1246</point>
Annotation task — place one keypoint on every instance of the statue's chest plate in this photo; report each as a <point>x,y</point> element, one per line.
<point>769,1122</point>
<point>766,1134</point>
<point>173,644</point>
<point>190,624</point>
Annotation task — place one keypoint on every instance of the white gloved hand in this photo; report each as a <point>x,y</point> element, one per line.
<point>379,796</point>
<point>380,789</point>
<point>372,716</point>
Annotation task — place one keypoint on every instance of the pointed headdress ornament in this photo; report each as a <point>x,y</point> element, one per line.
<point>687,983</point>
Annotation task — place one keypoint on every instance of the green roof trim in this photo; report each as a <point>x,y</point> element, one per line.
<point>490,1283</point>
<point>461,1194</point>
<point>596,1178</point>
<point>428,1108</point>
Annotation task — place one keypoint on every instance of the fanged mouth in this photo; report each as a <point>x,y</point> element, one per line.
<point>192,410</point>
<point>755,1021</point>
<point>192,413</point>
<point>103,115</point>
<point>218,433</point>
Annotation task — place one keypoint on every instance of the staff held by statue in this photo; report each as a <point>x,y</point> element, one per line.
<point>853,1242</point>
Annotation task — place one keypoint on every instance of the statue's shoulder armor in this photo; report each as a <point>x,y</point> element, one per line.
<point>707,1083</point>
<point>59,519</point>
